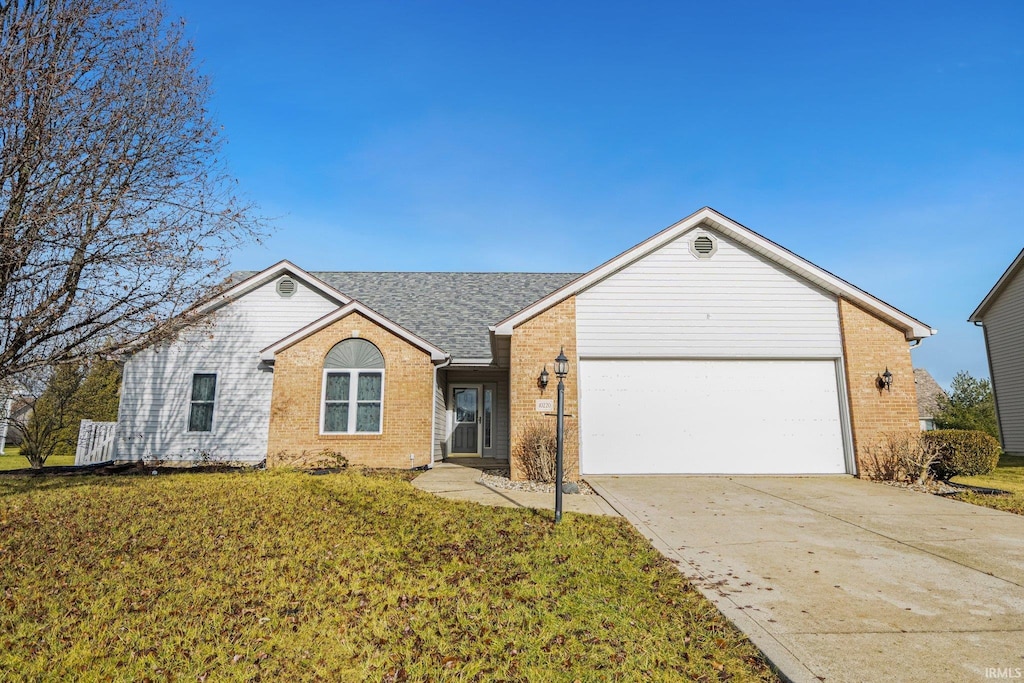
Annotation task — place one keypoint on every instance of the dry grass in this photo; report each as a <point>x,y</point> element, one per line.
<point>1008,476</point>
<point>351,576</point>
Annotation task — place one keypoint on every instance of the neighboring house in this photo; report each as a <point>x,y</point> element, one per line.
<point>1001,317</point>
<point>929,395</point>
<point>15,412</point>
<point>705,349</point>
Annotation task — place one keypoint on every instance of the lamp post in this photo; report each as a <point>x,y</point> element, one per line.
<point>561,370</point>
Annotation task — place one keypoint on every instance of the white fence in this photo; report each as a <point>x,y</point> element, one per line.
<point>95,442</point>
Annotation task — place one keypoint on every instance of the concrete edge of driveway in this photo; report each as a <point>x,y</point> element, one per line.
<point>779,657</point>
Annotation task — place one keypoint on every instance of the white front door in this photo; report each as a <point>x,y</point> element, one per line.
<point>710,417</point>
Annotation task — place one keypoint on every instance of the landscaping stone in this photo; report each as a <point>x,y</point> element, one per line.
<point>499,479</point>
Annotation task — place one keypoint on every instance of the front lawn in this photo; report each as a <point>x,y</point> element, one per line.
<point>11,459</point>
<point>284,576</point>
<point>1008,476</point>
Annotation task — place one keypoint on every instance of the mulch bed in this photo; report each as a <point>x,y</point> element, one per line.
<point>945,488</point>
<point>130,469</point>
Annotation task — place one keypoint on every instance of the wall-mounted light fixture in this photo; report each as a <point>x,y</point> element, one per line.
<point>542,381</point>
<point>884,380</point>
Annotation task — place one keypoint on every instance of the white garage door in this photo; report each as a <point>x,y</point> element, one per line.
<point>710,417</point>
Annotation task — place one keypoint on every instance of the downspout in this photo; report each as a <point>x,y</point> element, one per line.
<point>433,410</point>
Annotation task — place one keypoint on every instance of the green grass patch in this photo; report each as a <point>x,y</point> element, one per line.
<point>282,575</point>
<point>1008,476</point>
<point>11,459</point>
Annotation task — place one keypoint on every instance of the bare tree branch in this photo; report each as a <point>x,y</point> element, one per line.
<point>116,211</point>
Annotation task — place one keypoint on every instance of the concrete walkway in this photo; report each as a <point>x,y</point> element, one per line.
<point>838,579</point>
<point>457,481</point>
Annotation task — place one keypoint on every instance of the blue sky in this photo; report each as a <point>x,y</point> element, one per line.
<point>882,141</point>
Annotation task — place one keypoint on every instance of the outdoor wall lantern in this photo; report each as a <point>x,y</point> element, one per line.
<point>542,381</point>
<point>884,381</point>
<point>561,370</point>
<point>561,365</point>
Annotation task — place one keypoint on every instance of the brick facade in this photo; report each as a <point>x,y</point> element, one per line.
<point>535,344</point>
<point>870,345</point>
<point>298,385</point>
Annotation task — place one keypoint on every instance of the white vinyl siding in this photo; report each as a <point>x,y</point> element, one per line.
<point>735,304</point>
<point>440,417</point>
<point>156,389</point>
<point>710,417</point>
<point>1004,332</point>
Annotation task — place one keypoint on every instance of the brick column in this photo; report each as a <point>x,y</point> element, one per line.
<point>870,345</point>
<point>534,344</point>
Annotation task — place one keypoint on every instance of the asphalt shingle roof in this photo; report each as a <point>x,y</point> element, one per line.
<point>928,393</point>
<point>450,310</point>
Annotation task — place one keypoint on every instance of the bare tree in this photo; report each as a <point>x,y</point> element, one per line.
<point>50,426</point>
<point>116,212</point>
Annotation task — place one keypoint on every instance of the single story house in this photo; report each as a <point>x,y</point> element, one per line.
<point>929,398</point>
<point>707,348</point>
<point>1001,317</point>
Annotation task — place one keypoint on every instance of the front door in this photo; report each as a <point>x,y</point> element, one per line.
<point>467,420</point>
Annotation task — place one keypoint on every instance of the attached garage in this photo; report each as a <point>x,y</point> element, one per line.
<point>709,349</point>
<point>710,417</point>
<point>706,357</point>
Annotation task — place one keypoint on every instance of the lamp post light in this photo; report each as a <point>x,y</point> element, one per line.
<point>561,370</point>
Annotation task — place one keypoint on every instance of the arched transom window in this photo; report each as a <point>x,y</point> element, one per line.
<point>353,392</point>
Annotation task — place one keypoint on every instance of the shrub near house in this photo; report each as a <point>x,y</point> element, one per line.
<point>962,452</point>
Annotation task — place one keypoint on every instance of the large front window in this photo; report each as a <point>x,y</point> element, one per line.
<point>353,389</point>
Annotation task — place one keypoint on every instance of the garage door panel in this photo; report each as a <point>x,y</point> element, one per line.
<point>710,417</point>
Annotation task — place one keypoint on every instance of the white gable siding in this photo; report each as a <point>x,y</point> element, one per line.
<point>735,304</point>
<point>1004,330</point>
<point>156,388</point>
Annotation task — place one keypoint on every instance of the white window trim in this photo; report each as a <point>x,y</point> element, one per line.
<point>353,389</point>
<point>189,401</point>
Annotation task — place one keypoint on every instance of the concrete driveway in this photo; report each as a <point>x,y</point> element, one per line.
<point>838,579</point>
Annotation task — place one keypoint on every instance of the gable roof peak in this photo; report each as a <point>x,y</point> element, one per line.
<point>997,289</point>
<point>913,329</point>
<point>256,280</point>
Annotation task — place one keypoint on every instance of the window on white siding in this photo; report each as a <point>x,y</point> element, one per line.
<point>353,389</point>
<point>200,411</point>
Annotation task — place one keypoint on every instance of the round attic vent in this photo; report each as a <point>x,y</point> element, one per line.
<point>286,286</point>
<point>703,247</point>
